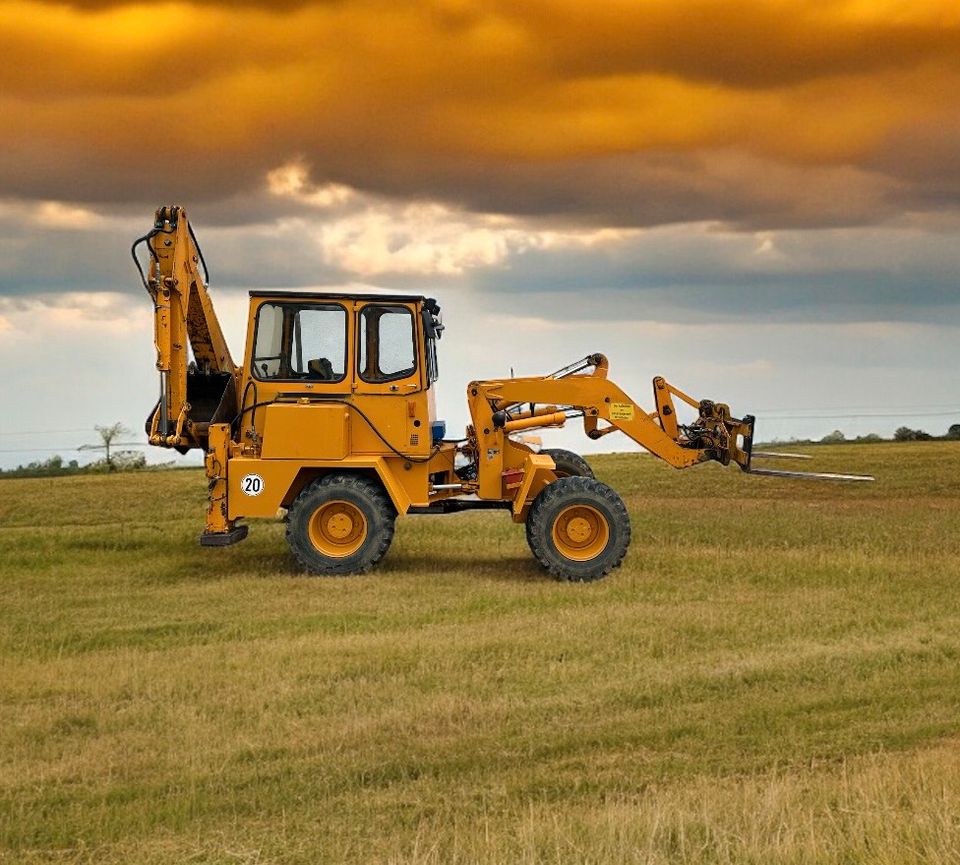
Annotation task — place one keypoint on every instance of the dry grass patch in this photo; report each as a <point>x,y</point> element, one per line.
<point>771,677</point>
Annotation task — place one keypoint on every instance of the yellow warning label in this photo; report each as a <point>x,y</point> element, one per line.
<point>621,411</point>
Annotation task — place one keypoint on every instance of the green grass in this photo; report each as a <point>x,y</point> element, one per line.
<point>772,676</point>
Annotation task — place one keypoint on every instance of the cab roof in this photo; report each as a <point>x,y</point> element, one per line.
<point>339,295</point>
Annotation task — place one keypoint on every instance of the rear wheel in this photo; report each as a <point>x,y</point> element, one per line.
<point>569,464</point>
<point>578,529</point>
<point>340,524</point>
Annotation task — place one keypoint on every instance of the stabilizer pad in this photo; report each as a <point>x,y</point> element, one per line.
<point>224,539</point>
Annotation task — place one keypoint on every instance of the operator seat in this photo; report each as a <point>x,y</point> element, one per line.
<point>320,369</point>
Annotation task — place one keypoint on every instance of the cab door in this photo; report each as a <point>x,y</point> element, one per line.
<point>389,380</point>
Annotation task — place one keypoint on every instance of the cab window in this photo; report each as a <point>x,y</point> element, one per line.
<point>299,342</point>
<point>387,338</point>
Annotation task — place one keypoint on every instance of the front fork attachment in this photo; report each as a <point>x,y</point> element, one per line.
<point>716,431</point>
<point>733,437</point>
<point>724,438</point>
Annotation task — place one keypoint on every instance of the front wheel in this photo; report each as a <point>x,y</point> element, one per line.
<point>340,524</point>
<point>578,529</point>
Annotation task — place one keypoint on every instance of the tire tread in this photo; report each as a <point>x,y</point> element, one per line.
<point>366,488</point>
<point>573,489</point>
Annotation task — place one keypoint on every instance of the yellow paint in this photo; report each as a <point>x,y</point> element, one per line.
<point>307,432</point>
<point>538,471</point>
<point>216,464</point>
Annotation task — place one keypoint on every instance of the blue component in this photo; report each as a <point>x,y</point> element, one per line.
<point>438,429</point>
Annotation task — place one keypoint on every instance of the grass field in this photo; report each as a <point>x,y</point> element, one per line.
<point>771,677</point>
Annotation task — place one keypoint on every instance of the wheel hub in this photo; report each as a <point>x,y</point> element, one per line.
<point>580,532</point>
<point>339,526</point>
<point>337,529</point>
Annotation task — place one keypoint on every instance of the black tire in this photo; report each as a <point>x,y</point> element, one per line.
<point>604,519</point>
<point>344,496</point>
<point>569,464</point>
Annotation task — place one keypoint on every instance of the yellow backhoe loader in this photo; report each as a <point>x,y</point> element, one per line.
<point>331,417</point>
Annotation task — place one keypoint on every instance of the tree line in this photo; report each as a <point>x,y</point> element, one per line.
<point>901,434</point>
<point>114,459</point>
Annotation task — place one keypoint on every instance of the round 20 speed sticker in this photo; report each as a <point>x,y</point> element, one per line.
<point>251,485</point>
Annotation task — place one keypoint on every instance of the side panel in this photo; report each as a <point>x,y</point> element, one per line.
<point>259,487</point>
<point>319,432</point>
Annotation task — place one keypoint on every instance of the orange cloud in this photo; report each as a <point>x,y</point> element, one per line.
<point>470,100</point>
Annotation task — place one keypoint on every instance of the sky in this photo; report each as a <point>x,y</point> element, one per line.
<point>758,200</point>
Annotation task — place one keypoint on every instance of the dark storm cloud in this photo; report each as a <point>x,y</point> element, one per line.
<point>621,113</point>
<point>695,274</point>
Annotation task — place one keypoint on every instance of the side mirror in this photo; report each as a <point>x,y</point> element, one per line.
<point>432,327</point>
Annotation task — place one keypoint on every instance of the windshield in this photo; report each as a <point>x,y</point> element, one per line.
<point>297,341</point>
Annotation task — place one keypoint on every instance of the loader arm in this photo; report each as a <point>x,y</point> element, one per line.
<point>502,408</point>
<point>193,394</point>
<point>716,434</point>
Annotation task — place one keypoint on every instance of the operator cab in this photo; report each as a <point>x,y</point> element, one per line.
<point>316,345</point>
<point>306,336</point>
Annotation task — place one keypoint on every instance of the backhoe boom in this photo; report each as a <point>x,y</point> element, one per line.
<point>192,394</point>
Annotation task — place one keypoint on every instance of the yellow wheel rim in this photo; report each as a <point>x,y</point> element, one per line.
<point>580,533</point>
<point>337,529</point>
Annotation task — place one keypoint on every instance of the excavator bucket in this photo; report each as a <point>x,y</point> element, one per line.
<point>212,398</point>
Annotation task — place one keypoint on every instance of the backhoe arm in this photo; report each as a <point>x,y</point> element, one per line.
<point>192,394</point>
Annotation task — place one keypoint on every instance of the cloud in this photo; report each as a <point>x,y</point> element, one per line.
<point>103,315</point>
<point>692,272</point>
<point>763,114</point>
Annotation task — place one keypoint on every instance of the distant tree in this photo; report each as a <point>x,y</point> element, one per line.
<point>39,468</point>
<point>110,434</point>
<point>833,438</point>
<point>905,434</point>
<point>954,431</point>
<point>869,437</point>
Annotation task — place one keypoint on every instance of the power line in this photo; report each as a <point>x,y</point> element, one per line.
<point>68,449</point>
<point>37,450</point>
<point>848,416</point>
<point>899,407</point>
<point>43,432</point>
